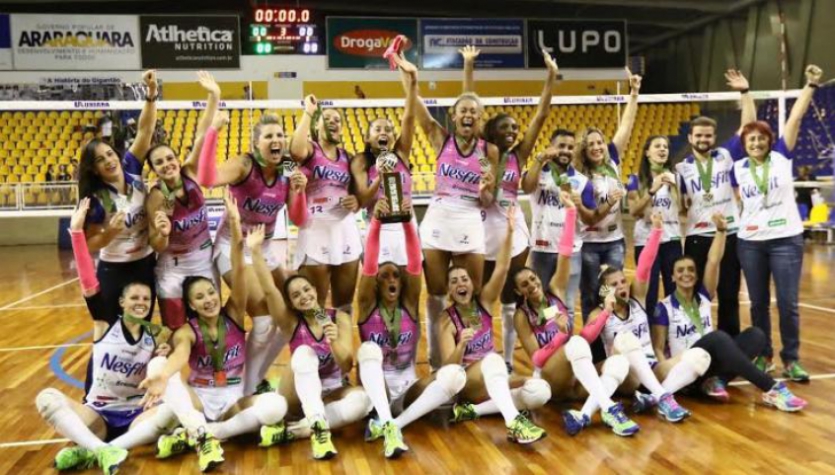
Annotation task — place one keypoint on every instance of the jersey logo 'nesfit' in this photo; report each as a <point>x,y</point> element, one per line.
<point>326,173</point>
<point>126,367</point>
<point>206,361</point>
<point>257,206</point>
<point>463,175</point>
<point>190,221</point>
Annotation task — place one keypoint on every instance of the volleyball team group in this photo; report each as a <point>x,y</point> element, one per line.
<point>699,224</point>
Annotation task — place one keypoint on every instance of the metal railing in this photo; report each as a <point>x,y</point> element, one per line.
<point>47,196</point>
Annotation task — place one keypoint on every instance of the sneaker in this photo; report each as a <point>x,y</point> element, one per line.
<point>617,420</point>
<point>669,409</point>
<point>523,431</point>
<point>783,399</point>
<point>173,444</point>
<point>574,421</point>
<point>716,388</point>
<point>463,412</point>
<point>109,458</point>
<point>393,445</point>
<point>796,373</point>
<point>209,453</point>
<point>764,364</point>
<point>642,402</point>
<point>276,434</point>
<point>320,441</point>
<point>75,458</point>
<point>374,430</point>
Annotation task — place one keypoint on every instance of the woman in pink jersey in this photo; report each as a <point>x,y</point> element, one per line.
<point>316,383</point>
<point>466,338</point>
<point>386,153</point>
<point>329,244</point>
<point>179,224</point>
<point>390,332</point>
<point>565,361</point>
<point>213,407</point>
<point>502,130</point>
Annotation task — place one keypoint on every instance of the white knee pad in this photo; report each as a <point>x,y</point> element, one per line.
<point>353,407</point>
<point>369,352</point>
<point>626,342</point>
<point>535,393</point>
<point>492,366</point>
<point>304,360</point>
<point>616,367</point>
<point>270,408</point>
<point>577,349</point>
<point>698,358</point>
<point>50,401</point>
<point>262,329</point>
<point>452,379</point>
<point>156,366</point>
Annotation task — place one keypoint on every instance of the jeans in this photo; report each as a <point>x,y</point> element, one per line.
<point>545,266</point>
<point>596,254</point>
<point>730,278</point>
<point>781,258</point>
<point>667,255</point>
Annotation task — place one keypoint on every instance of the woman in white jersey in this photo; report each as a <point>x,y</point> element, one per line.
<point>603,242</point>
<point>117,224</point>
<point>112,419</point>
<point>503,131</point>
<point>770,229</point>
<point>684,320</point>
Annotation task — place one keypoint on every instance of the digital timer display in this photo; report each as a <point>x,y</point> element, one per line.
<point>282,15</point>
<point>284,31</point>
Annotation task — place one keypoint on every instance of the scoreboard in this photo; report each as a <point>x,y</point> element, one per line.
<point>284,30</point>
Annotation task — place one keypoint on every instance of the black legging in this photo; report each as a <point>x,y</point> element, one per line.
<point>731,357</point>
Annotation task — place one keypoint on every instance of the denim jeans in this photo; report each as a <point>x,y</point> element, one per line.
<point>596,254</point>
<point>781,258</point>
<point>545,266</point>
<point>663,265</point>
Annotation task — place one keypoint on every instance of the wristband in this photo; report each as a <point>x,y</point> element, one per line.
<point>652,193</point>
<point>744,91</point>
<point>152,99</point>
<point>813,85</point>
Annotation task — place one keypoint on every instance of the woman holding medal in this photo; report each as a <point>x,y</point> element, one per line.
<point>213,407</point>
<point>503,131</point>
<point>771,231</point>
<point>117,225</point>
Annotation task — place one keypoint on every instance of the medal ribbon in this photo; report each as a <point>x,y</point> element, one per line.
<point>392,321</point>
<point>559,178</point>
<point>541,311</point>
<point>761,180</point>
<point>705,174</point>
<point>217,351</point>
<point>170,193</point>
<point>692,311</point>
<point>473,317</point>
<point>151,328</point>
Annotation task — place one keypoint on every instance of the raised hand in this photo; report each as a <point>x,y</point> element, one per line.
<point>720,221</point>
<point>79,216</point>
<point>736,80</point>
<point>550,63</point>
<point>814,74</point>
<point>150,80</point>
<point>310,104</point>
<point>330,331</point>
<point>232,213</point>
<point>162,223</point>
<point>117,222</point>
<point>255,238</point>
<point>657,220</point>
<point>567,200</point>
<point>469,53</point>
<point>487,181</point>
<point>382,207</point>
<point>220,120</point>
<point>610,299</point>
<point>298,181</point>
<point>634,81</point>
<point>404,64</point>
<point>207,82</point>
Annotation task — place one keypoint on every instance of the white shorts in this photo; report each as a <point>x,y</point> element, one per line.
<point>172,270</point>
<point>328,242</point>
<point>393,243</point>
<point>223,256</point>
<point>459,231</point>
<point>217,401</point>
<point>495,230</point>
<point>398,385</point>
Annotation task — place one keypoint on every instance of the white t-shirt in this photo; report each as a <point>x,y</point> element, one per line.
<point>549,214</point>
<point>681,332</point>
<point>636,322</point>
<point>610,228</point>
<point>663,202</point>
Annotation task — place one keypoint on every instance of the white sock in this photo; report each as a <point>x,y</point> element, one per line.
<point>586,373</point>
<point>266,409</point>
<point>148,431</point>
<point>370,358</point>
<point>177,397</point>
<point>449,381</point>
<point>496,378</point>
<point>627,344</point>
<point>257,351</point>
<point>508,331</point>
<point>305,365</point>
<point>351,408</point>
<point>694,362</point>
<point>434,307</point>
<point>56,410</point>
<point>610,385</point>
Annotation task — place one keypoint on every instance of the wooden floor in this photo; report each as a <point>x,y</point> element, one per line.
<point>44,341</point>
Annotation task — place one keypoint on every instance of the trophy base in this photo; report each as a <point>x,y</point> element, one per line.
<point>396,218</point>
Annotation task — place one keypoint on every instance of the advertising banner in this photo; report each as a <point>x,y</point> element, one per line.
<point>75,42</point>
<point>502,42</point>
<point>359,43</point>
<point>5,43</point>
<point>578,44</point>
<point>190,42</point>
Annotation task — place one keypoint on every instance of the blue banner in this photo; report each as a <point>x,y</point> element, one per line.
<point>5,43</point>
<point>502,42</point>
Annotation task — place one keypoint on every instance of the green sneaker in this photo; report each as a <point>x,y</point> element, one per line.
<point>173,444</point>
<point>276,434</point>
<point>374,430</point>
<point>463,412</point>
<point>109,459</point>
<point>209,453</point>
<point>393,445</point>
<point>796,373</point>
<point>523,431</point>
<point>320,441</point>
<point>75,458</point>
<point>617,420</point>
<point>766,365</point>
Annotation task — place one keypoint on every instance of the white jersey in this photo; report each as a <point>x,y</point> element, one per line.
<point>700,212</point>
<point>610,228</point>
<point>118,366</point>
<point>681,332</point>
<point>636,322</point>
<point>772,215</point>
<point>549,214</point>
<point>664,202</point>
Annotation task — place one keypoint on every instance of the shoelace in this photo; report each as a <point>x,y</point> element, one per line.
<point>619,415</point>
<point>670,404</point>
<point>320,435</point>
<point>206,447</point>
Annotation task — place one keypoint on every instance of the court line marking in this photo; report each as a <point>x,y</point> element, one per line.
<point>9,445</point>
<point>814,376</point>
<point>43,307</point>
<point>46,291</point>
<point>42,347</point>
<point>58,369</point>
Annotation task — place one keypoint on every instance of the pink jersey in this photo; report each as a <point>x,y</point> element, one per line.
<point>258,202</point>
<point>482,343</point>
<point>545,332</point>
<point>399,355</point>
<point>511,178</point>
<point>189,221</point>
<point>202,371</point>
<point>327,184</point>
<point>458,176</point>
<point>405,179</point>
<point>329,372</point>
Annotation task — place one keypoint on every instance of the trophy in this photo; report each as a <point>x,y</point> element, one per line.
<point>392,184</point>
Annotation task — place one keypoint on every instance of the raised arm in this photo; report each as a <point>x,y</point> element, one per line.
<point>801,105</point>
<point>237,301</point>
<point>492,290</point>
<point>154,384</point>
<point>433,130</point>
<point>340,337</point>
<point>530,178</point>
<point>208,83</point>
<point>408,75</point>
<point>159,226</point>
<point>621,138</point>
<point>487,185</point>
<point>559,281</point>
<point>147,119</point>
<point>297,206</point>
<point>523,151</point>
<point>367,288</point>
<point>414,262</point>
<point>469,53</point>
<point>300,146</point>
<point>208,173</point>
<point>738,82</point>
<point>644,269</point>
<point>273,297</point>
<point>714,256</point>
<point>83,262</point>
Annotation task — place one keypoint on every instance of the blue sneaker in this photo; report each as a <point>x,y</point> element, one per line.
<point>669,409</point>
<point>642,402</point>
<point>574,421</point>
